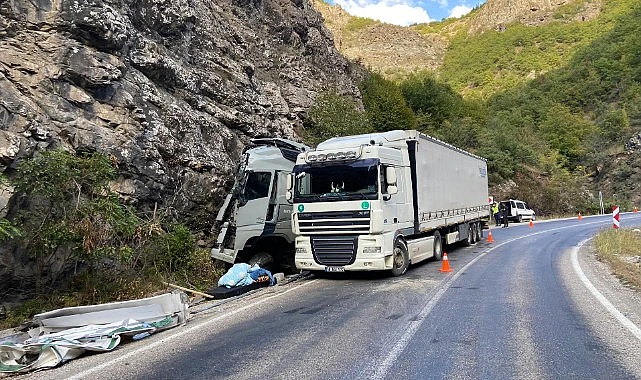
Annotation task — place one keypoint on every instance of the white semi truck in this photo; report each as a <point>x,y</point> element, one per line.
<point>383,201</point>
<point>254,223</point>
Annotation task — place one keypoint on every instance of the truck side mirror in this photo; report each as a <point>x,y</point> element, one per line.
<point>392,189</point>
<point>288,195</point>
<point>390,177</point>
<point>290,182</point>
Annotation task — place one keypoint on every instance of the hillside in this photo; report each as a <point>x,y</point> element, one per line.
<point>549,93</point>
<point>397,51</point>
<point>390,49</point>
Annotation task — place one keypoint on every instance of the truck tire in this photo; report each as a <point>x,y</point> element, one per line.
<point>400,258</point>
<point>438,246</point>
<point>470,236</point>
<point>263,259</point>
<point>479,232</point>
<point>475,233</point>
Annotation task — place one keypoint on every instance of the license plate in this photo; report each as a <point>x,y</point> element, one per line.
<point>334,269</point>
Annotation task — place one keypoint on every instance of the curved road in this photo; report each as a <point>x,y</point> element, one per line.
<point>516,308</point>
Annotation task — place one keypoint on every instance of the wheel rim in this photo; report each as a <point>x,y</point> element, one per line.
<point>398,258</point>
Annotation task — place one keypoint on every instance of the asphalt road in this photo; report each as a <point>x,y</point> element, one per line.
<point>516,308</point>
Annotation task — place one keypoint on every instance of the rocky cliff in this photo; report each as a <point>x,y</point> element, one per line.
<point>497,14</point>
<point>171,90</point>
<point>386,48</point>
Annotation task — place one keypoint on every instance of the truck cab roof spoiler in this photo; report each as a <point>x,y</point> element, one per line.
<point>289,149</point>
<point>280,143</point>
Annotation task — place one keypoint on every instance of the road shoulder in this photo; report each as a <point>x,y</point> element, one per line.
<point>620,341</point>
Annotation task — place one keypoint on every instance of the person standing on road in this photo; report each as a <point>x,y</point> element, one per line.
<point>504,215</point>
<point>496,213</point>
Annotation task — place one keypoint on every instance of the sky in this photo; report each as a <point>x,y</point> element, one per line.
<point>407,12</point>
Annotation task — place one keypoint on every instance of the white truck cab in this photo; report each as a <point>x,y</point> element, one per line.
<point>254,223</point>
<point>382,201</point>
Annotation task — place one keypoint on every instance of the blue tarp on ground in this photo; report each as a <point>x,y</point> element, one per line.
<point>242,274</point>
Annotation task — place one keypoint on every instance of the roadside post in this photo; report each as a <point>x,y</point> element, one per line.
<point>615,217</point>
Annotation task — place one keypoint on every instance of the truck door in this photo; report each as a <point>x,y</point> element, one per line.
<point>253,206</point>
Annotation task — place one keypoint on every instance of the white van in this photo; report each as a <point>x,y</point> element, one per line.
<point>518,210</point>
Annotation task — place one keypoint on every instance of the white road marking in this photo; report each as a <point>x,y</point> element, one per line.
<point>180,333</point>
<point>382,369</point>
<point>636,331</point>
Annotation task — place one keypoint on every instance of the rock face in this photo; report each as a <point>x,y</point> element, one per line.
<point>383,47</point>
<point>171,90</point>
<point>497,14</point>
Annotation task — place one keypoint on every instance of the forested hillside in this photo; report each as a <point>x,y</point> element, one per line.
<point>553,106</point>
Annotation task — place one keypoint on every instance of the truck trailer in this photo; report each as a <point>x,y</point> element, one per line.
<point>383,201</point>
<point>254,223</point>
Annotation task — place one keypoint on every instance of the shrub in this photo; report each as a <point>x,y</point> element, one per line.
<point>334,115</point>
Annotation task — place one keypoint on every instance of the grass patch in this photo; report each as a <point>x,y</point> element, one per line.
<point>621,249</point>
<point>358,23</point>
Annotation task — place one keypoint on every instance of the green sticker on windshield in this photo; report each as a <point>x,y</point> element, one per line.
<point>301,208</point>
<point>365,205</point>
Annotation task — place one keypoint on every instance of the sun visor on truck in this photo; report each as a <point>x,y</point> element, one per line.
<point>367,162</point>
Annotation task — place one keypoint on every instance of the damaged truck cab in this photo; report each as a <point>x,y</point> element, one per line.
<point>254,222</point>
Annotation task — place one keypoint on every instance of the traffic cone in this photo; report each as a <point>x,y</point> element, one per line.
<point>446,264</point>
<point>490,239</point>
<point>531,224</point>
<point>580,217</point>
<point>636,209</point>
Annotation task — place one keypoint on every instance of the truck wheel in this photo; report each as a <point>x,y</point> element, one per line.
<point>400,258</point>
<point>263,259</point>
<point>475,233</point>
<point>438,246</point>
<point>479,236</point>
<point>470,236</point>
<point>520,218</point>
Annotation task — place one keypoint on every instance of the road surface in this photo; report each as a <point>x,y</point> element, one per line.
<point>520,307</point>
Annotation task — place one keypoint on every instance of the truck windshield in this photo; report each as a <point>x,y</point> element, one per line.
<point>345,181</point>
<point>256,185</point>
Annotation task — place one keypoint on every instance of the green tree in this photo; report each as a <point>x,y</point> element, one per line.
<point>566,132</point>
<point>433,101</point>
<point>385,105</point>
<point>334,115</point>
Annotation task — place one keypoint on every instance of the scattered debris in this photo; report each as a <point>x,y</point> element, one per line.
<point>65,334</point>
<point>188,290</point>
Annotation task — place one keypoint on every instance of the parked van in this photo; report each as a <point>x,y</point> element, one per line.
<point>518,210</point>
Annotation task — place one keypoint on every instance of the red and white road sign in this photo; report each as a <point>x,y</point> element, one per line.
<point>615,217</point>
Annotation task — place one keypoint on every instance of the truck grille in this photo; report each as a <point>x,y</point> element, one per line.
<point>334,250</point>
<point>334,222</point>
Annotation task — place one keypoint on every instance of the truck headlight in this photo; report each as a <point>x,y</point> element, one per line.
<point>371,249</point>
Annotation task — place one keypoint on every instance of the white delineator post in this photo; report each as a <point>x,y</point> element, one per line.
<point>615,217</point>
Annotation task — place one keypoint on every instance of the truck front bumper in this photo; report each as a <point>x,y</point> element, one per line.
<point>358,265</point>
<point>364,261</point>
<point>226,255</point>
